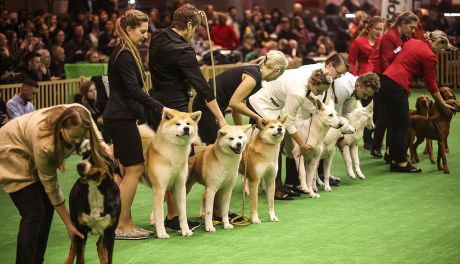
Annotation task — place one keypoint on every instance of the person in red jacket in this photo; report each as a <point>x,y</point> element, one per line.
<point>224,35</point>
<point>416,59</point>
<point>361,47</point>
<point>385,50</point>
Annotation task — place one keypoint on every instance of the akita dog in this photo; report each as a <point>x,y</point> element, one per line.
<point>260,162</point>
<point>166,159</point>
<point>216,167</point>
<point>359,118</point>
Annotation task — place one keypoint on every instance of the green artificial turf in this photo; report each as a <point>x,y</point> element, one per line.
<point>387,218</point>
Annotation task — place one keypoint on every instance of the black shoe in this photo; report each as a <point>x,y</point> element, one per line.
<point>295,189</point>
<point>174,225</point>
<point>376,153</point>
<point>332,181</point>
<point>387,158</point>
<point>231,216</point>
<point>408,168</point>
<point>367,147</point>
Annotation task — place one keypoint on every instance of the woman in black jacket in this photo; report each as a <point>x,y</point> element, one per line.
<point>125,107</point>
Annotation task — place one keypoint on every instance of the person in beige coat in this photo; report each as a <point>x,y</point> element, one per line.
<point>32,148</point>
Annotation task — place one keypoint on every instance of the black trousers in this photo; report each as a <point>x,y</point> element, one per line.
<point>207,126</point>
<point>380,120</point>
<point>396,101</point>
<point>36,213</point>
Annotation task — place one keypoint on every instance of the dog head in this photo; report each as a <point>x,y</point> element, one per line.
<point>89,171</point>
<point>423,105</point>
<point>447,93</point>
<point>272,131</point>
<point>361,116</point>
<point>347,128</point>
<point>327,114</point>
<point>179,127</point>
<point>233,139</point>
<point>454,103</point>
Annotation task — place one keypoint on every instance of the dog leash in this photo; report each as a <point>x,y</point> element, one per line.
<point>243,220</point>
<point>212,53</point>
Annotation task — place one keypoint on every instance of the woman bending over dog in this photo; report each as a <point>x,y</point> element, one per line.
<point>32,149</point>
<point>125,107</point>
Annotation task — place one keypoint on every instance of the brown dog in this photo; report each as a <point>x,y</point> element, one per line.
<point>424,107</point>
<point>434,127</point>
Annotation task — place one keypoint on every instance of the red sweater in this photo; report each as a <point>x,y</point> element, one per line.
<point>416,59</point>
<point>224,36</point>
<point>385,49</point>
<point>360,50</point>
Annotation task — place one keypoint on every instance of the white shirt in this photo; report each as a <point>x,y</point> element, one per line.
<point>344,87</point>
<point>287,94</point>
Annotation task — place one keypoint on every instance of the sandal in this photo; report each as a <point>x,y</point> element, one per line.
<point>135,234</point>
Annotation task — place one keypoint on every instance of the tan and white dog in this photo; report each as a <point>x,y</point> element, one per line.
<point>359,118</point>
<point>260,163</point>
<point>216,167</point>
<point>166,160</point>
<point>313,131</point>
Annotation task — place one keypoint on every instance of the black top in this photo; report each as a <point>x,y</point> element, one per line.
<point>228,82</point>
<point>127,96</point>
<point>173,66</point>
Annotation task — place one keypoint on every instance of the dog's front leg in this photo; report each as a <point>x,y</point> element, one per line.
<point>443,156</point>
<point>327,163</point>
<point>271,196</point>
<point>355,158</point>
<point>102,251</point>
<point>429,148</point>
<point>208,205</point>
<point>159,196</point>
<point>71,255</point>
<point>80,248</point>
<point>348,163</point>
<point>180,194</point>
<point>253,195</point>
<point>225,196</point>
<point>311,167</point>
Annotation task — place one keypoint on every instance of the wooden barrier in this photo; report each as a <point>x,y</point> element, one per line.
<point>63,91</point>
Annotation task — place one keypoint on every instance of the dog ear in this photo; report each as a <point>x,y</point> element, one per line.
<point>264,122</point>
<point>167,115</point>
<point>358,104</point>
<point>248,127</point>
<point>196,116</point>
<point>222,133</point>
<point>282,118</point>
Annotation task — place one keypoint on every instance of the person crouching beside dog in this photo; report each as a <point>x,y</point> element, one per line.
<point>125,106</point>
<point>417,58</point>
<point>233,87</point>
<point>32,149</point>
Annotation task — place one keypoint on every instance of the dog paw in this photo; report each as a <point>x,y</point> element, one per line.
<point>187,233</point>
<point>256,220</point>
<point>353,176</point>
<point>210,228</point>
<point>361,176</point>
<point>327,188</point>
<point>162,235</point>
<point>273,218</point>
<point>315,195</point>
<point>228,226</point>
<point>433,161</point>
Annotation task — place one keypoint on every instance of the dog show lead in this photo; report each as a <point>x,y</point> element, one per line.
<point>125,107</point>
<point>32,149</point>
<point>417,58</point>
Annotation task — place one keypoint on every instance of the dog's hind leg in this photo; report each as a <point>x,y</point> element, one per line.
<point>347,159</point>
<point>442,146</point>
<point>71,255</point>
<point>180,194</point>
<point>355,158</point>
<point>271,196</point>
<point>208,205</point>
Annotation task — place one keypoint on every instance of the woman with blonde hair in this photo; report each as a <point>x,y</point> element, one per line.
<point>233,87</point>
<point>32,149</point>
<point>416,59</point>
<point>125,108</point>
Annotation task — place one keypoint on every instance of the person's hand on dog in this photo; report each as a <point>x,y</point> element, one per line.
<point>222,122</point>
<point>106,148</point>
<point>447,109</point>
<point>260,121</point>
<point>72,231</point>
<point>305,148</point>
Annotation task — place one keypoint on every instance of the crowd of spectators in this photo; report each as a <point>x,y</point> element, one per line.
<point>37,45</point>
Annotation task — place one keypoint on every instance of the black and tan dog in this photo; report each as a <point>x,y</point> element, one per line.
<point>94,205</point>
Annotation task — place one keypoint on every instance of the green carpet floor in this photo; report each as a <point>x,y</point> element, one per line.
<point>387,218</point>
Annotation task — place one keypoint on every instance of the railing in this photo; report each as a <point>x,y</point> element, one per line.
<point>63,91</point>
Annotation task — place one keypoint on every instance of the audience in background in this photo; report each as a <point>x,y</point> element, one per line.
<point>21,103</point>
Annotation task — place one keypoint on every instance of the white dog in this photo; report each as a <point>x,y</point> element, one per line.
<point>216,167</point>
<point>313,131</point>
<point>359,118</point>
<point>167,154</point>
